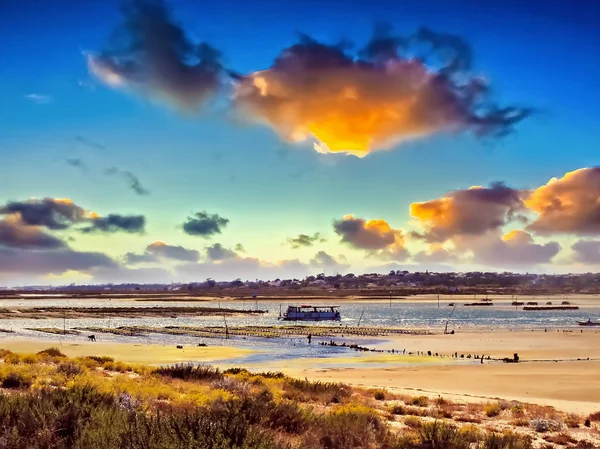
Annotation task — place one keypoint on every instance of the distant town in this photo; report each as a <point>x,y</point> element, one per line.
<point>394,283</point>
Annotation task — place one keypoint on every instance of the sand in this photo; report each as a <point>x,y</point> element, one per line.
<point>572,386</point>
<point>568,386</point>
<point>528,344</point>
<point>130,353</point>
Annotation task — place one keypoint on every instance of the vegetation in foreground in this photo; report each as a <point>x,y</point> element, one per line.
<point>51,401</point>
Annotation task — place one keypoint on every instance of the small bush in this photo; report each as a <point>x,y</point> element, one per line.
<point>51,352</point>
<point>440,434</point>
<point>520,422</point>
<point>289,417</point>
<point>506,440</point>
<point>413,422</point>
<point>379,395</point>
<point>398,409</point>
<point>594,416</point>
<point>118,367</point>
<point>587,422</point>
<point>420,401</point>
<point>69,368</point>
<point>546,425</point>
<point>188,371</point>
<point>16,381</point>
<point>492,410</point>
<point>572,421</point>
<point>100,359</point>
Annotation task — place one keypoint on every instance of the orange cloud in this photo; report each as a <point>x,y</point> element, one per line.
<point>356,106</point>
<point>569,205</point>
<point>375,236</point>
<point>473,211</point>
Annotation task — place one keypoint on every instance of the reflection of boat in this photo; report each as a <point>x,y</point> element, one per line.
<point>589,322</point>
<point>311,313</point>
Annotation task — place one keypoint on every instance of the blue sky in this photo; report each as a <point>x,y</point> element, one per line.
<point>540,55</point>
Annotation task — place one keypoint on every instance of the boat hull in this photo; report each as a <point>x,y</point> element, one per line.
<point>588,323</point>
<point>318,318</point>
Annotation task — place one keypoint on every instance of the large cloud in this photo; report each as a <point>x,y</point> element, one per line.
<point>513,249</point>
<point>474,211</point>
<point>52,213</point>
<point>569,205</point>
<point>395,89</point>
<point>204,224</point>
<point>14,233</point>
<point>375,236</point>
<point>55,261</point>
<point>587,251</point>
<point>151,54</point>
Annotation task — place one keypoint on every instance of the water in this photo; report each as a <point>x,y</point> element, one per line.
<point>407,315</point>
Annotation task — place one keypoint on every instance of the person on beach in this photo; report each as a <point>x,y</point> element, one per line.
<point>309,338</point>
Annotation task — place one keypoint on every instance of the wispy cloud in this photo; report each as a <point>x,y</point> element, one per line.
<point>77,163</point>
<point>90,143</point>
<point>132,180</point>
<point>39,98</point>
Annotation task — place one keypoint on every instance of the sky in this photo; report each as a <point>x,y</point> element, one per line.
<point>149,141</point>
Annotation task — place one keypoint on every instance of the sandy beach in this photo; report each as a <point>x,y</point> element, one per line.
<point>566,384</point>
<point>130,353</point>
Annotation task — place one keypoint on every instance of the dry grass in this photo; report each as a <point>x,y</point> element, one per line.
<point>560,438</point>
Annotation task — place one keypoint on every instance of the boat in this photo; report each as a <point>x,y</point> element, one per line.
<point>311,313</point>
<point>589,322</point>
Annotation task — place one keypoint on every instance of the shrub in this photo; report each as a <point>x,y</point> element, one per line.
<point>51,352</point>
<point>413,422</point>
<point>16,381</point>
<point>188,371</point>
<point>398,409</point>
<point>379,395</point>
<point>506,440</point>
<point>546,425</point>
<point>420,401</point>
<point>328,392</point>
<point>594,416</point>
<point>562,438</point>
<point>520,422</point>
<point>119,367</point>
<point>289,417</point>
<point>69,368</point>
<point>100,359</point>
<point>443,435</point>
<point>353,426</point>
<point>492,410</point>
<point>587,422</point>
<point>572,420</point>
